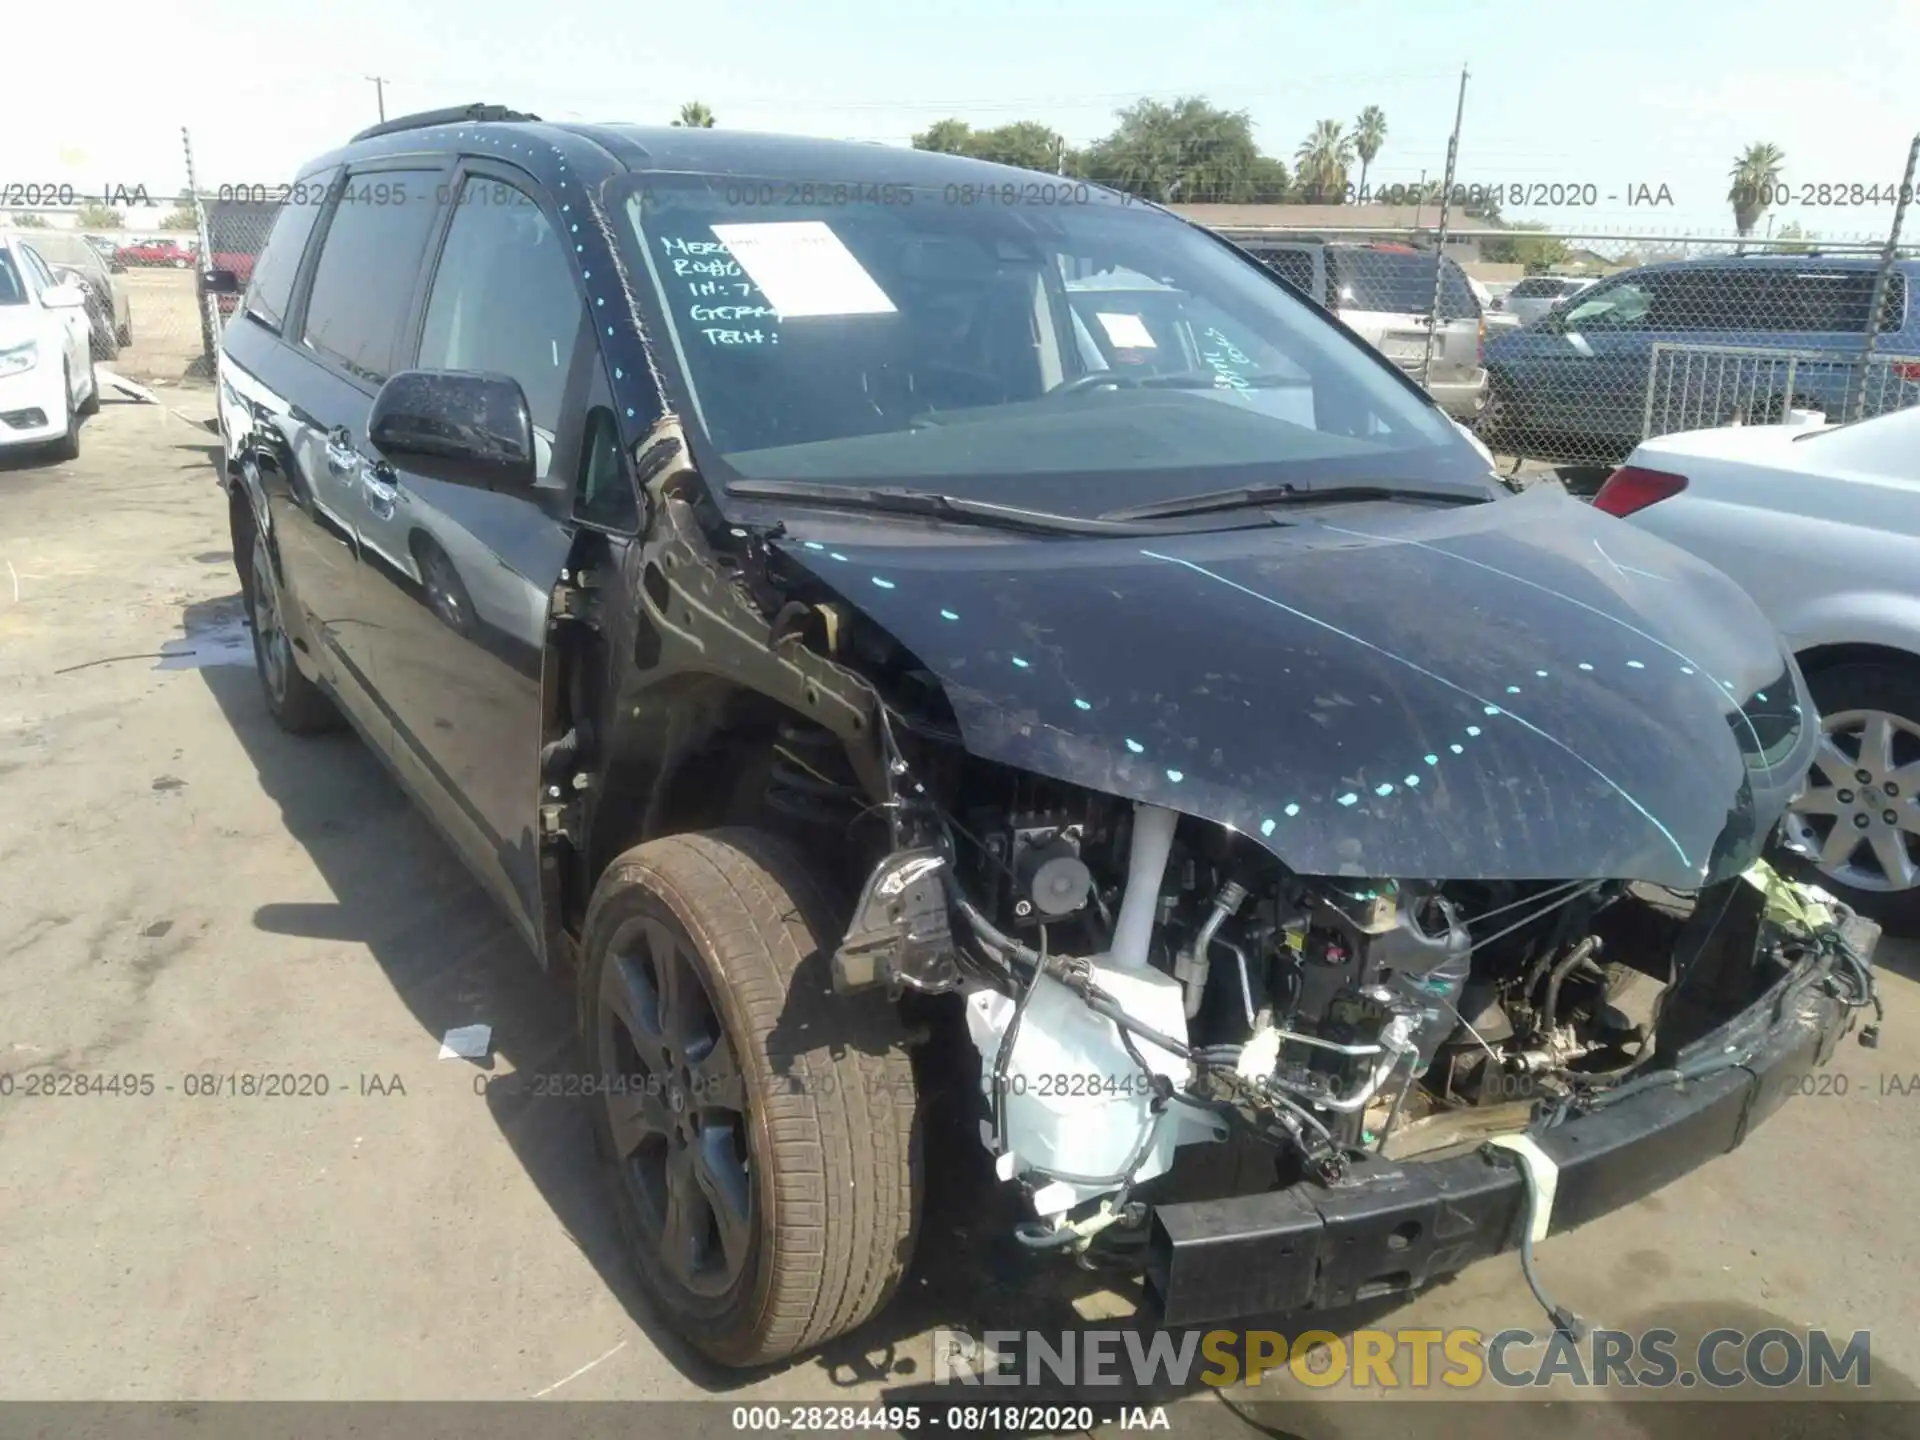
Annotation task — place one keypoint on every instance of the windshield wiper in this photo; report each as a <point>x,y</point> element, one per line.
<point>897,500</point>
<point>1284,494</point>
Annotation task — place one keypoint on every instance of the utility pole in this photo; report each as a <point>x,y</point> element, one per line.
<point>380,92</point>
<point>1440,246</point>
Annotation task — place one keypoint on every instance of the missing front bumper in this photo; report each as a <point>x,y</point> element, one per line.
<point>1392,1226</point>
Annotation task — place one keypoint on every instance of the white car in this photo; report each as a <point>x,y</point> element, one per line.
<point>46,358</point>
<point>1821,525</point>
<point>1537,294</point>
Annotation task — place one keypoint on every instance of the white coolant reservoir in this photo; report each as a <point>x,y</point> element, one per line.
<point>1076,1103</point>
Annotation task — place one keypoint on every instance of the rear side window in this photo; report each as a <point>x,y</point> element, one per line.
<point>271,287</point>
<point>363,286</point>
<point>1293,266</point>
<point>1709,299</point>
<point>1831,301</point>
<point>1400,282</point>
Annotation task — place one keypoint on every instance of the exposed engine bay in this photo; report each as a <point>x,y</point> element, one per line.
<point>1136,981</point>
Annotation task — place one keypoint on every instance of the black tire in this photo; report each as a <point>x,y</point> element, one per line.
<point>123,337</point>
<point>1890,688</point>
<point>67,447</point>
<point>829,1180</point>
<point>91,405</point>
<point>298,706</point>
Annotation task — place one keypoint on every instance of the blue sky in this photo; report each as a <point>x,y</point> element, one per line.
<point>1631,93</point>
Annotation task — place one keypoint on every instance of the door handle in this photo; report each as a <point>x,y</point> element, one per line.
<point>380,486</point>
<point>341,456</point>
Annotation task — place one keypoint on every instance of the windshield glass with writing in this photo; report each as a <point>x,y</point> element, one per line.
<point>1072,356</point>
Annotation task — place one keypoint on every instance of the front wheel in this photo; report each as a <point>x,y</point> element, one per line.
<point>762,1131</point>
<point>1857,824</point>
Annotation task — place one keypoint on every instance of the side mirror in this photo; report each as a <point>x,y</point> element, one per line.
<point>66,296</point>
<point>458,426</point>
<point>220,282</point>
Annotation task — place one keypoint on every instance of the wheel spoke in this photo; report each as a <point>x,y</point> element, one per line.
<point>683,1238</point>
<point>1841,842</point>
<point>1895,861</point>
<point>630,995</point>
<point>1876,744</point>
<point>1831,762</point>
<point>1907,779</point>
<point>724,1183</point>
<point>717,1083</point>
<point>635,1116</point>
<point>1821,800</point>
<point>683,1000</point>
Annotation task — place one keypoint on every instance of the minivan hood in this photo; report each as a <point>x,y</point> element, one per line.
<point>1520,690</point>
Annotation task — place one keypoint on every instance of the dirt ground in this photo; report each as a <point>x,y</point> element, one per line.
<point>186,892</point>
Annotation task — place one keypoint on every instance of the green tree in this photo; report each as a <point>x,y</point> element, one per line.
<point>1189,152</point>
<point>95,216</point>
<point>1321,163</point>
<point>949,137</point>
<point>1794,239</point>
<point>27,220</point>
<point>1026,143</point>
<point>1528,246</point>
<point>1268,183</point>
<point>1369,134</point>
<point>695,116</point>
<point>1756,170</point>
<point>181,218</point>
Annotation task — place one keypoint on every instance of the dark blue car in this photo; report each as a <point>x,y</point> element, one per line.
<point>1698,343</point>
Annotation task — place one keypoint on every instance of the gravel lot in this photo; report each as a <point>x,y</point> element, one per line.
<point>188,892</point>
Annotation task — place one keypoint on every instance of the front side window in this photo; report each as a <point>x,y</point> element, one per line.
<point>504,300</point>
<point>369,261</point>
<point>42,275</point>
<point>1616,305</point>
<point>1071,357</point>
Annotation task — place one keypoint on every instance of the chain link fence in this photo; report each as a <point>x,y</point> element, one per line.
<point>1562,348</point>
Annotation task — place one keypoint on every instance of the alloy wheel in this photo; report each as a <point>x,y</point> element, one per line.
<point>270,644</point>
<point>1859,819</point>
<point>676,1107</point>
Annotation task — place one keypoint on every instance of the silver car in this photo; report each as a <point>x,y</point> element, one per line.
<point>1385,292</point>
<point>107,306</point>
<point>1537,294</point>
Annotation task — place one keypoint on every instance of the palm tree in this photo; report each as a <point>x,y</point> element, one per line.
<point>695,116</point>
<point>1755,172</point>
<point>1320,164</point>
<point>1369,134</point>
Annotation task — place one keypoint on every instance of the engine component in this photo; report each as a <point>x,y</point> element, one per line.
<point>1081,1118</point>
<point>1051,880</point>
<point>1146,867</point>
<point>1193,964</point>
<point>900,934</point>
<point>1425,971</point>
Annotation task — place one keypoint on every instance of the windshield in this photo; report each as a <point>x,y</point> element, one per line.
<point>1071,357</point>
<point>12,291</point>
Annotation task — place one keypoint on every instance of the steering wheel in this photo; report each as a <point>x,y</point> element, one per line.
<point>1093,381</point>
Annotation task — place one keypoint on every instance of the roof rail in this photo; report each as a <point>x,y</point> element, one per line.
<point>451,115</point>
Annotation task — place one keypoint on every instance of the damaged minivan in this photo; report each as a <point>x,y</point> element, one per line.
<point>857,608</point>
